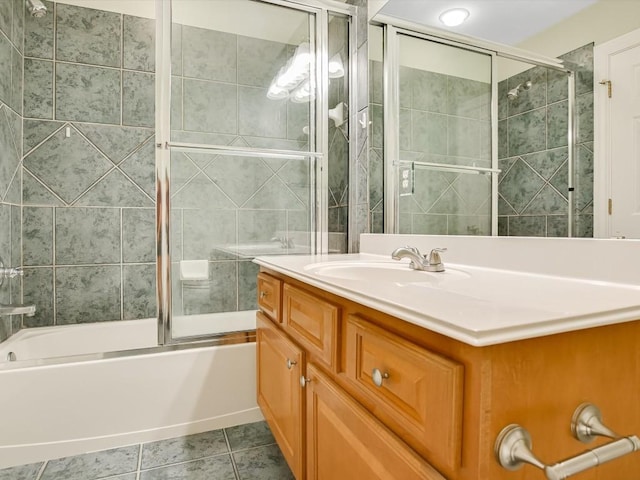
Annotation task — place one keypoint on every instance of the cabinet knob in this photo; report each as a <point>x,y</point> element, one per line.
<point>378,377</point>
<point>304,381</point>
<point>263,294</point>
<point>290,363</point>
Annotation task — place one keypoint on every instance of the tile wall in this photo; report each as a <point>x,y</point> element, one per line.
<point>12,19</point>
<point>533,151</point>
<point>446,120</point>
<point>88,189</point>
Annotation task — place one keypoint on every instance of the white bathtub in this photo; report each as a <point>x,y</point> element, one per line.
<point>54,408</point>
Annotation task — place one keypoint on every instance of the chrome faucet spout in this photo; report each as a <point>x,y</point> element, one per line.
<point>432,263</point>
<point>17,309</point>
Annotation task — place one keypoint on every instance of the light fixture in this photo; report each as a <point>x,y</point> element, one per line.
<point>336,68</point>
<point>454,17</point>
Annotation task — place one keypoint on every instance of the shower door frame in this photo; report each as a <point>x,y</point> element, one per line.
<point>392,29</point>
<point>319,12</point>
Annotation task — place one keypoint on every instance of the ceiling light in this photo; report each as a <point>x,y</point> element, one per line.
<point>454,17</point>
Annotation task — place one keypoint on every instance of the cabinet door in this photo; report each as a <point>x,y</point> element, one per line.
<point>345,442</point>
<point>280,365</point>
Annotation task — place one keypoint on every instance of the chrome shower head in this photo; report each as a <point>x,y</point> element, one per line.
<point>514,92</point>
<point>36,8</point>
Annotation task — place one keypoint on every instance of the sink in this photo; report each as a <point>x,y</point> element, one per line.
<point>395,272</point>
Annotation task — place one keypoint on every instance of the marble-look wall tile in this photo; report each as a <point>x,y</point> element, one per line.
<point>247,288</point>
<point>139,47</point>
<point>532,98</point>
<point>38,291</point>
<point>259,60</point>
<point>87,294</point>
<point>37,228</point>
<point>38,89</point>
<point>139,291</point>
<point>87,94</point>
<point>258,115</point>
<point>206,233</point>
<point>210,106</point>
<point>86,35</point>
<point>17,29</point>
<point>528,226</point>
<point>115,142</point>
<point>138,99</point>
<point>585,117</point>
<point>557,124</point>
<point>6,17</point>
<point>428,91</point>
<point>259,225</point>
<point>519,185</point>
<point>527,132</point>
<point>114,190</point>
<point>209,54</point>
<point>5,76</point>
<point>138,235</point>
<point>140,167</point>
<point>16,242</point>
<point>547,201</point>
<point>557,226</point>
<point>429,132</point>
<point>10,156</point>
<point>221,294</point>
<point>87,236</point>
<point>463,137</point>
<point>67,165</point>
<point>39,33</point>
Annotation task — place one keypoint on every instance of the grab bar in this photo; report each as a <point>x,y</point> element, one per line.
<point>513,446</point>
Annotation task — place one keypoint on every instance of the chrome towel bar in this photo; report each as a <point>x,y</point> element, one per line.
<point>513,446</point>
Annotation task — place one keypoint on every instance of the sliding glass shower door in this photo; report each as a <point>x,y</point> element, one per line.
<point>440,159</point>
<point>245,156</point>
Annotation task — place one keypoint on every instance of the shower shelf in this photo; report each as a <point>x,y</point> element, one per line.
<point>453,168</point>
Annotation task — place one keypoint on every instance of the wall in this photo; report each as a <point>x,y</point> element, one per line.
<point>12,18</point>
<point>532,138</point>
<point>89,165</point>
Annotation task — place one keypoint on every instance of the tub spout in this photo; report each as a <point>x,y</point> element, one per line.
<point>17,309</point>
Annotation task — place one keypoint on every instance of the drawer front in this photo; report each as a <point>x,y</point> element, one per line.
<point>270,295</point>
<point>418,395</point>
<point>312,322</point>
<point>344,441</point>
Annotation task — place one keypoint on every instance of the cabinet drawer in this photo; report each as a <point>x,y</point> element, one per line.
<point>344,441</point>
<point>270,295</point>
<point>312,322</point>
<point>420,394</point>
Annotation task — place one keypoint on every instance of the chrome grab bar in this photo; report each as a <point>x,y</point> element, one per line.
<point>513,446</point>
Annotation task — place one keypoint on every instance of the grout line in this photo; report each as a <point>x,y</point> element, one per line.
<point>139,463</point>
<point>233,460</point>
<point>121,265</point>
<point>39,475</point>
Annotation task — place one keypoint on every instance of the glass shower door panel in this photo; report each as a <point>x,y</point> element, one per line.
<point>226,210</point>
<point>242,75</point>
<point>444,136</point>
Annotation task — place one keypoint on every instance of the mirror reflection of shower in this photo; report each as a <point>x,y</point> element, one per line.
<point>36,8</point>
<point>514,92</point>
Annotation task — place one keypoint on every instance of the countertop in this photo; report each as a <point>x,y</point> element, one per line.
<point>477,305</point>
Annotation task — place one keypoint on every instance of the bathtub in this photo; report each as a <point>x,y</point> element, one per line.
<point>62,397</point>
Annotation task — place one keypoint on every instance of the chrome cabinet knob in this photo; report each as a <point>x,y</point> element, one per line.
<point>304,381</point>
<point>291,363</point>
<point>378,377</point>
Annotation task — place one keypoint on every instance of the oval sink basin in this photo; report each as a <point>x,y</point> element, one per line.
<point>395,272</point>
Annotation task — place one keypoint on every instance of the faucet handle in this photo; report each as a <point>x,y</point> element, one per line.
<point>434,256</point>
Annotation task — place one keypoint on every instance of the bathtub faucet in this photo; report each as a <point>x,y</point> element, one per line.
<point>17,309</point>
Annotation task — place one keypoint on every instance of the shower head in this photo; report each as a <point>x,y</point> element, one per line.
<point>514,92</point>
<point>36,8</point>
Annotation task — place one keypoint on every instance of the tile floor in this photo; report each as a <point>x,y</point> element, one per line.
<point>244,452</point>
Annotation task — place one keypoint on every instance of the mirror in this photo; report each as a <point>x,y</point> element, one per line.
<point>532,192</point>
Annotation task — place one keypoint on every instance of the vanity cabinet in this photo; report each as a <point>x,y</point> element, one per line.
<point>387,399</point>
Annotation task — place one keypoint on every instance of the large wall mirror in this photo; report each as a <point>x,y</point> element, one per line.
<point>523,125</point>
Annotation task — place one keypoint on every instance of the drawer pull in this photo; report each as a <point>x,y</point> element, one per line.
<point>378,377</point>
<point>304,381</point>
<point>263,294</point>
<point>290,363</point>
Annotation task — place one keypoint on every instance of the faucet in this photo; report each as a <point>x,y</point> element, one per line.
<point>17,309</point>
<point>430,263</point>
<point>285,242</point>
<point>14,308</point>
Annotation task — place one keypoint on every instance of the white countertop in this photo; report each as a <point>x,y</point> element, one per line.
<point>474,304</point>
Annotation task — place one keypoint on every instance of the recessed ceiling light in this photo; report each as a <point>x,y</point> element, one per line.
<point>454,17</point>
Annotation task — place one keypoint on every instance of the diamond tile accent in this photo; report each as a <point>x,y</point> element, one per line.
<point>274,195</point>
<point>199,192</point>
<point>35,131</point>
<point>140,167</point>
<point>115,190</point>
<point>519,185</point>
<point>35,193</point>
<point>238,177</point>
<point>114,141</point>
<point>68,166</point>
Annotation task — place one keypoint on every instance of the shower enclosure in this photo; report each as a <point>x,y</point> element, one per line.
<point>152,149</point>
<point>451,118</point>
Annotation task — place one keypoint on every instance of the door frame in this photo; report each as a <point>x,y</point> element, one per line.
<point>602,129</point>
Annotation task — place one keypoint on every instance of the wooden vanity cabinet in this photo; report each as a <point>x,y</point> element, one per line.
<point>438,413</point>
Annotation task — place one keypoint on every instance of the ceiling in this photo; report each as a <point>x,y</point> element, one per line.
<point>504,21</point>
